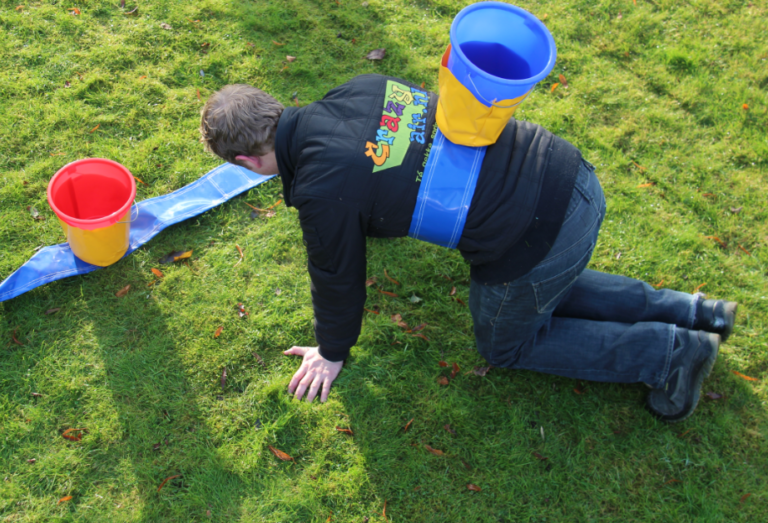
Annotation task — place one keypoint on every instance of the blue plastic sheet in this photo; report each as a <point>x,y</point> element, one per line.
<point>446,191</point>
<point>152,216</point>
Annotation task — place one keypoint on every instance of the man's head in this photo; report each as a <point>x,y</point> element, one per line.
<point>240,120</point>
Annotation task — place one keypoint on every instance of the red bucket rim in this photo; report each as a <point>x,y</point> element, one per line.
<point>97,223</point>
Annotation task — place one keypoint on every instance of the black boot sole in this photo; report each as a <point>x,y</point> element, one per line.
<point>730,318</point>
<point>697,379</point>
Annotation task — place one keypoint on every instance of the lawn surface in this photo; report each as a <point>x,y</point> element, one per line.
<point>667,98</point>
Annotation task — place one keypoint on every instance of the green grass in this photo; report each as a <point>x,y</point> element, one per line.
<point>655,95</point>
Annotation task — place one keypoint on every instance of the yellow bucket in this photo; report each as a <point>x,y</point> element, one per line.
<point>462,118</point>
<point>92,199</point>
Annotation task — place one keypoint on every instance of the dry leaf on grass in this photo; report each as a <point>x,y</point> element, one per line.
<point>218,332</point>
<point>224,379</point>
<point>554,86</point>
<point>420,336</point>
<point>390,278</point>
<point>122,292</point>
<point>290,58</point>
<point>73,434</point>
<point>434,451</point>
<point>258,358</point>
<point>563,81</point>
<point>443,380</point>
<point>277,43</point>
<point>740,375</point>
<point>64,499</point>
<point>408,425</point>
<point>280,454</point>
<point>376,54</point>
<point>15,340</point>
<point>455,370</point>
<point>388,293</point>
<point>175,256</point>
<point>481,371</point>
<point>158,273</point>
<point>442,363</point>
<point>166,26</point>
<point>718,240</point>
<point>370,281</point>
<point>166,480</point>
<point>135,12</point>
<point>97,126</point>
<point>713,395</point>
<point>35,214</point>
<point>539,456</point>
<point>345,431</point>
<point>447,427</point>
<point>470,486</point>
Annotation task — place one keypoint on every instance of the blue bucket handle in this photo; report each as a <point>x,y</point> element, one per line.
<point>493,103</point>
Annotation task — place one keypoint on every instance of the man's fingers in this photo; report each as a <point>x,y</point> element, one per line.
<point>295,351</point>
<point>303,384</point>
<point>296,378</point>
<point>326,390</point>
<point>313,389</point>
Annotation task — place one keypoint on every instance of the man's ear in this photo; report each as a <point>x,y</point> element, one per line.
<point>250,162</point>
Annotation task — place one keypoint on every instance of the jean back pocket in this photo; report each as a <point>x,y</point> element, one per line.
<point>549,292</point>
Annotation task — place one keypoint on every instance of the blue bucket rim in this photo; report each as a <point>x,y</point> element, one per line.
<point>519,11</point>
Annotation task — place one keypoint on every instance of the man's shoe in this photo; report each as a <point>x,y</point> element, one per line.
<point>693,357</point>
<point>715,316</point>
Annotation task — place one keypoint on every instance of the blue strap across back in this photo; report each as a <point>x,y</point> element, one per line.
<point>154,215</point>
<point>446,191</point>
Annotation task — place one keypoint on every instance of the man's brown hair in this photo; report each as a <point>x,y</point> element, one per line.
<point>239,119</point>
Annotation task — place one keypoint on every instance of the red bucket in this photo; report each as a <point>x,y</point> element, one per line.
<point>92,198</point>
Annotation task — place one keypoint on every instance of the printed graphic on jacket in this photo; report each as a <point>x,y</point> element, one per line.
<point>403,121</point>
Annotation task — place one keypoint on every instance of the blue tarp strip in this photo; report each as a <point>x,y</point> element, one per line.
<point>446,191</point>
<point>155,214</point>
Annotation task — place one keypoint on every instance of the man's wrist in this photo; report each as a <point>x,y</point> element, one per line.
<point>333,355</point>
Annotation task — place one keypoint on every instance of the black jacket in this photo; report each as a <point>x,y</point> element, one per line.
<point>328,154</point>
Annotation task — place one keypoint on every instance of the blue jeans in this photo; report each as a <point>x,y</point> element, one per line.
<point>583,324</point>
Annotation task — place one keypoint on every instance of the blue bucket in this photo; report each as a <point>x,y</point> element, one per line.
<point>499,51</point>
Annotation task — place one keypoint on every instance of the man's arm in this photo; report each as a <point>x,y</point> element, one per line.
<point>334,234</point>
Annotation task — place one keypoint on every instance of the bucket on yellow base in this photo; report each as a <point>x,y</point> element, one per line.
<point>92,199</point>
<point>498,53</point>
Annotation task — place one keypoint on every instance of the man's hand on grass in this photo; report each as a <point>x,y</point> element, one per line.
<point>315,372</point>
